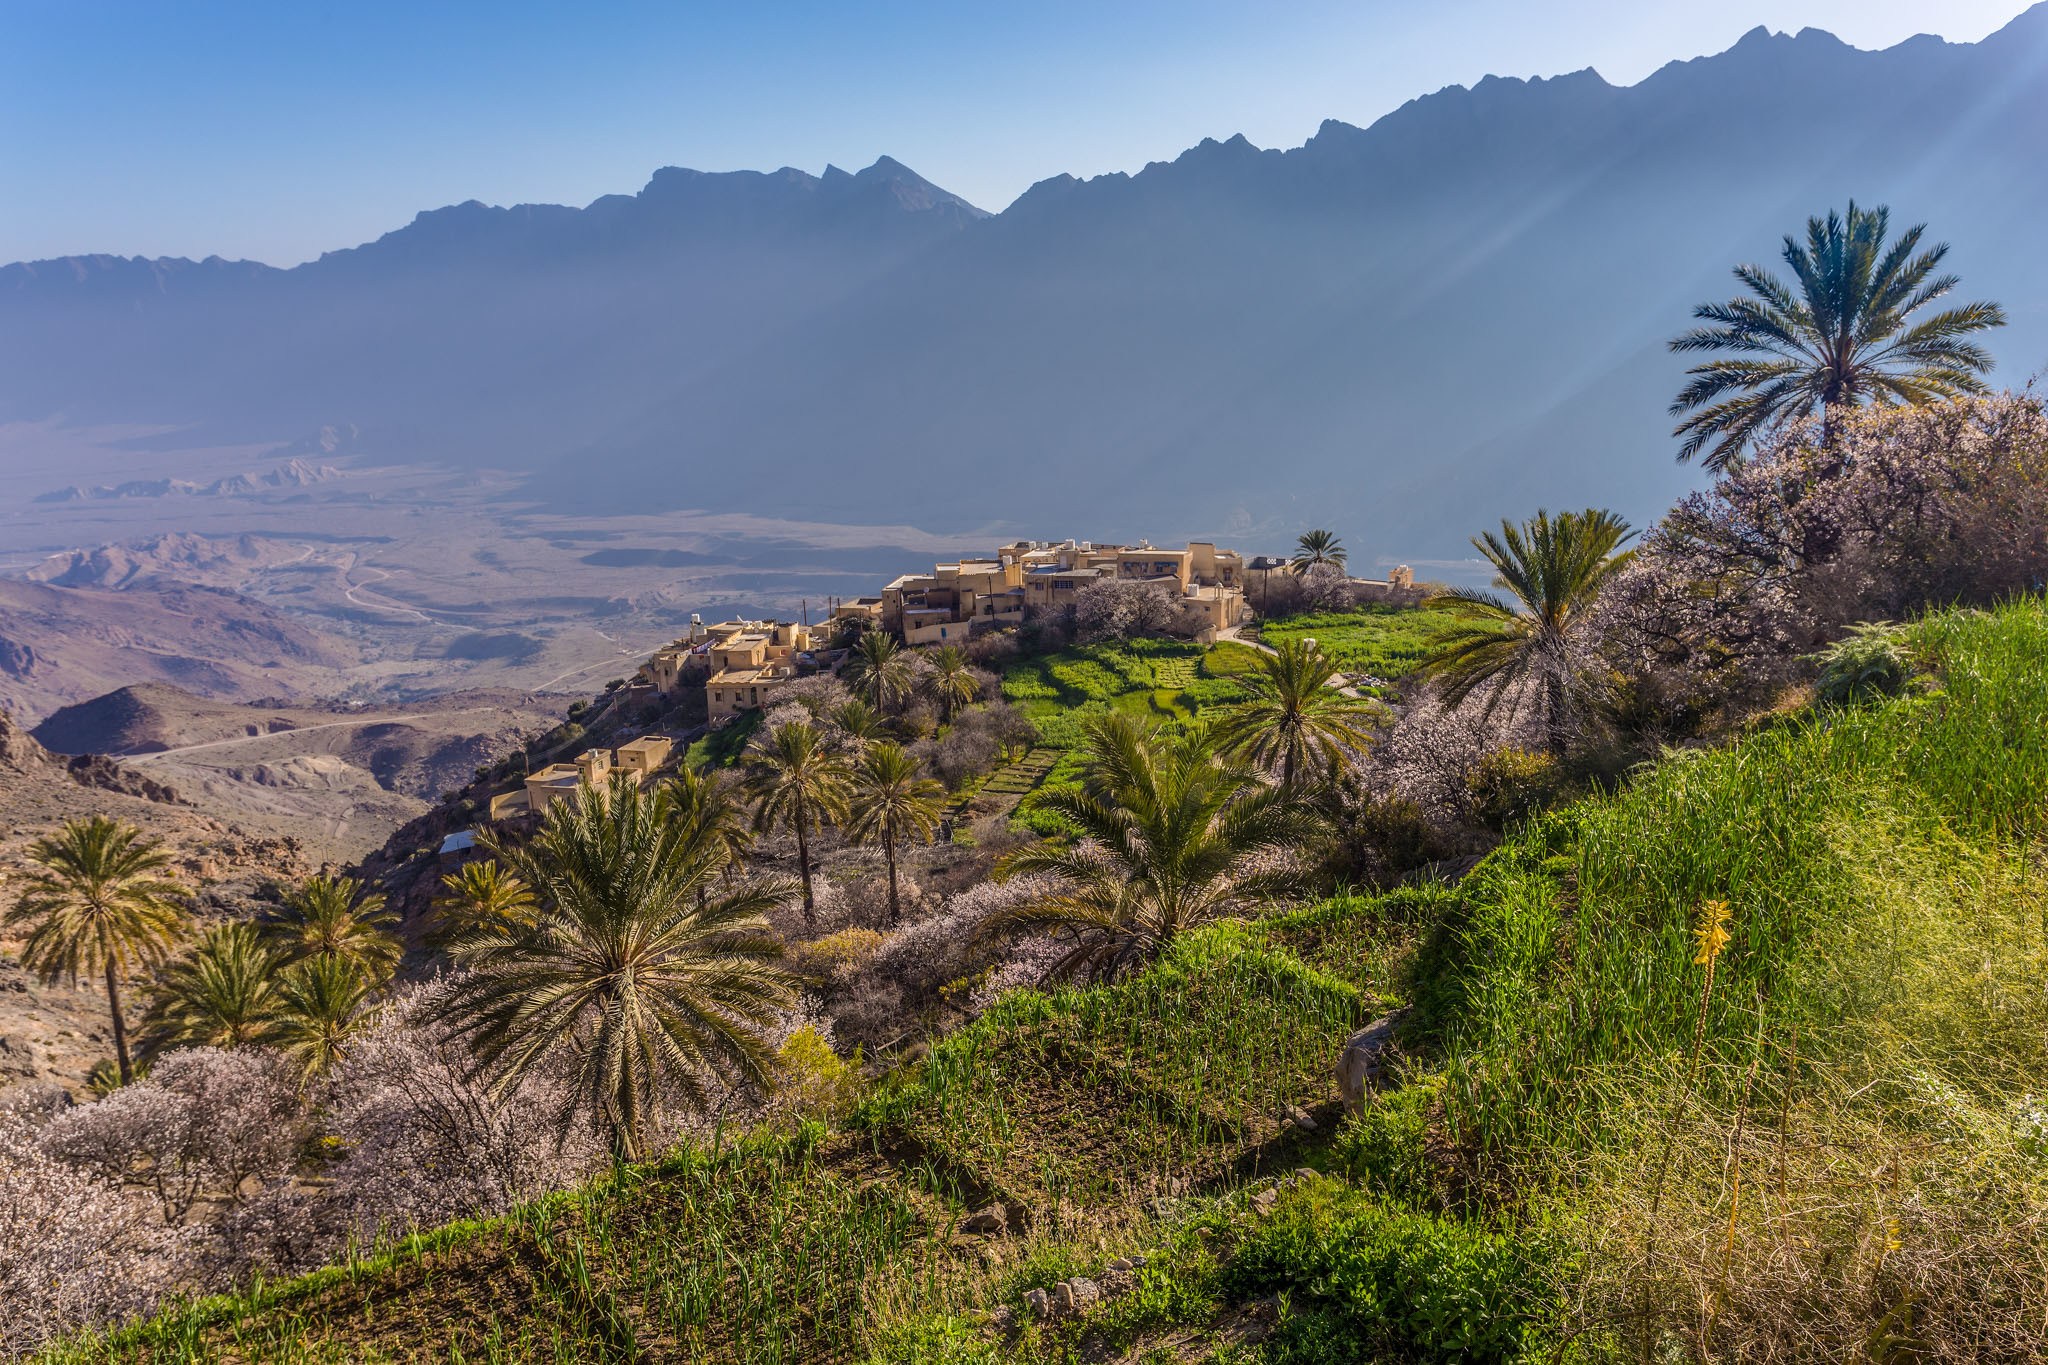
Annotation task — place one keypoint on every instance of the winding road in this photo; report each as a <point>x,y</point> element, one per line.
<point>149,755</point>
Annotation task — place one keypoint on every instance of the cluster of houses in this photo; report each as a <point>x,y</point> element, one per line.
<point>639,759</point>
<point>957,600</point>
<point>741,664</point>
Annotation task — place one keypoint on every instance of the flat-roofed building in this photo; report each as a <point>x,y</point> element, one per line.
<point>641,757</point>
<point>551,784</point>
<point>750,661</point>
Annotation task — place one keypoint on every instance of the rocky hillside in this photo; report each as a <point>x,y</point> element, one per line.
<point>65,644</point>
<point>53,1034</point>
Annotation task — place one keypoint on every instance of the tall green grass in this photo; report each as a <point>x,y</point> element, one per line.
<point>1863,853</point>
<point>1835,1144</point>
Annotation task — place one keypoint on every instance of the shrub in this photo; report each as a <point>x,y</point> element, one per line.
<point>205,1120</point>
<point>811,1080</point>
<point>1385,1148</point>
<point>1510,784</point>
<point>836,953</point>
<point>1367,1281</point>
<point>1872,661</point>
<point>1379,838</point>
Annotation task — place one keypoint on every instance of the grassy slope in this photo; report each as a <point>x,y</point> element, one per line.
<point>1386,642</point>
<point>1165,679</point>
<point>1846,1157</point>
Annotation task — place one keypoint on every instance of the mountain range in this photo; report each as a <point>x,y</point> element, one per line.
<point>1405,330</point>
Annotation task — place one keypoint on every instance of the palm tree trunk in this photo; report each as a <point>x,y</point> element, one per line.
<point>803,862</point>
<point>1555,724</point>
<point>120,1029</point>
<point>889,854</point>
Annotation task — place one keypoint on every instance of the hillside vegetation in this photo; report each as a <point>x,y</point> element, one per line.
<point>1386,642</point>
<point>1743,1055</point>
<point>1162,679</point>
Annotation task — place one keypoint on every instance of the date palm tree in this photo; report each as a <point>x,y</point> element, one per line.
<point>1552,569</point>
<point>951,682</point>
<point>879,671</point>
<point>648,990</point>
<point>1849,330</point>
<point>481,893</point>
<point>1318,548</point>
<point>798,784</point>
<point>1297,719</point>
<point>99,902</point>
<point>860,723</point>
<point>703,805</point>
<point>321,1003</point>
<point>334,917</point>
<point>218,993</point>
<point>1175,832</point>
<point>892,801</point>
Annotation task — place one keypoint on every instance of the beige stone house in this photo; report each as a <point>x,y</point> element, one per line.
<point>955,600</point>
<point>750,660</point>
<point>739,663</point>
<point>641,758</point>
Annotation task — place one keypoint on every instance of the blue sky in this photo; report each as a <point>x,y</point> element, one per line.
<point>281,129</point>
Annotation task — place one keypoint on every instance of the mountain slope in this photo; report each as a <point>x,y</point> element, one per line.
<point>1457,312</point>
<point>1583,1137</point>
<point>60,645</point>
<point>473,333</point>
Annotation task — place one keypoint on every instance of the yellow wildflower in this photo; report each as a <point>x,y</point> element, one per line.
<point>1712,933</point>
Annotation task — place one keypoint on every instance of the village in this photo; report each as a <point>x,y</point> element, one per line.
<point>740,665</point>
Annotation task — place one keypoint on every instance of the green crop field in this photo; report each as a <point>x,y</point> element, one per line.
<point>1166,680</point>
<point>1386,642</point>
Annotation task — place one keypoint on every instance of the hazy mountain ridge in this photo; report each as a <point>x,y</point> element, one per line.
<point>1457,311</point>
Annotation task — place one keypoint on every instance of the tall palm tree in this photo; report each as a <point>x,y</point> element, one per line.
<point>646,989</point>
<point>951,681</point>
<point>879,671</point>
<point>481,893</point>
<point>1552,569</point>
<point>321,1003</point>
<point>892,801</point>
<point>860,723</point>
<point>334,917</point>
<point>1317,548</point>
<point>1297,718</point>
<point>218,993</point>
<point>1843,336</point>
<point>100,902</point>
<point>1175,833</point>
<point>704,806</point>
<point>798,783</point>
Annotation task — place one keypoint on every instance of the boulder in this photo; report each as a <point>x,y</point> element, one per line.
<point>1077,1295</point>
<point>994,1219</point>
<point>1360,1062</point>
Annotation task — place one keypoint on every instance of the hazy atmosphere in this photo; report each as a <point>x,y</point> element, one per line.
<point>1166,683</point>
